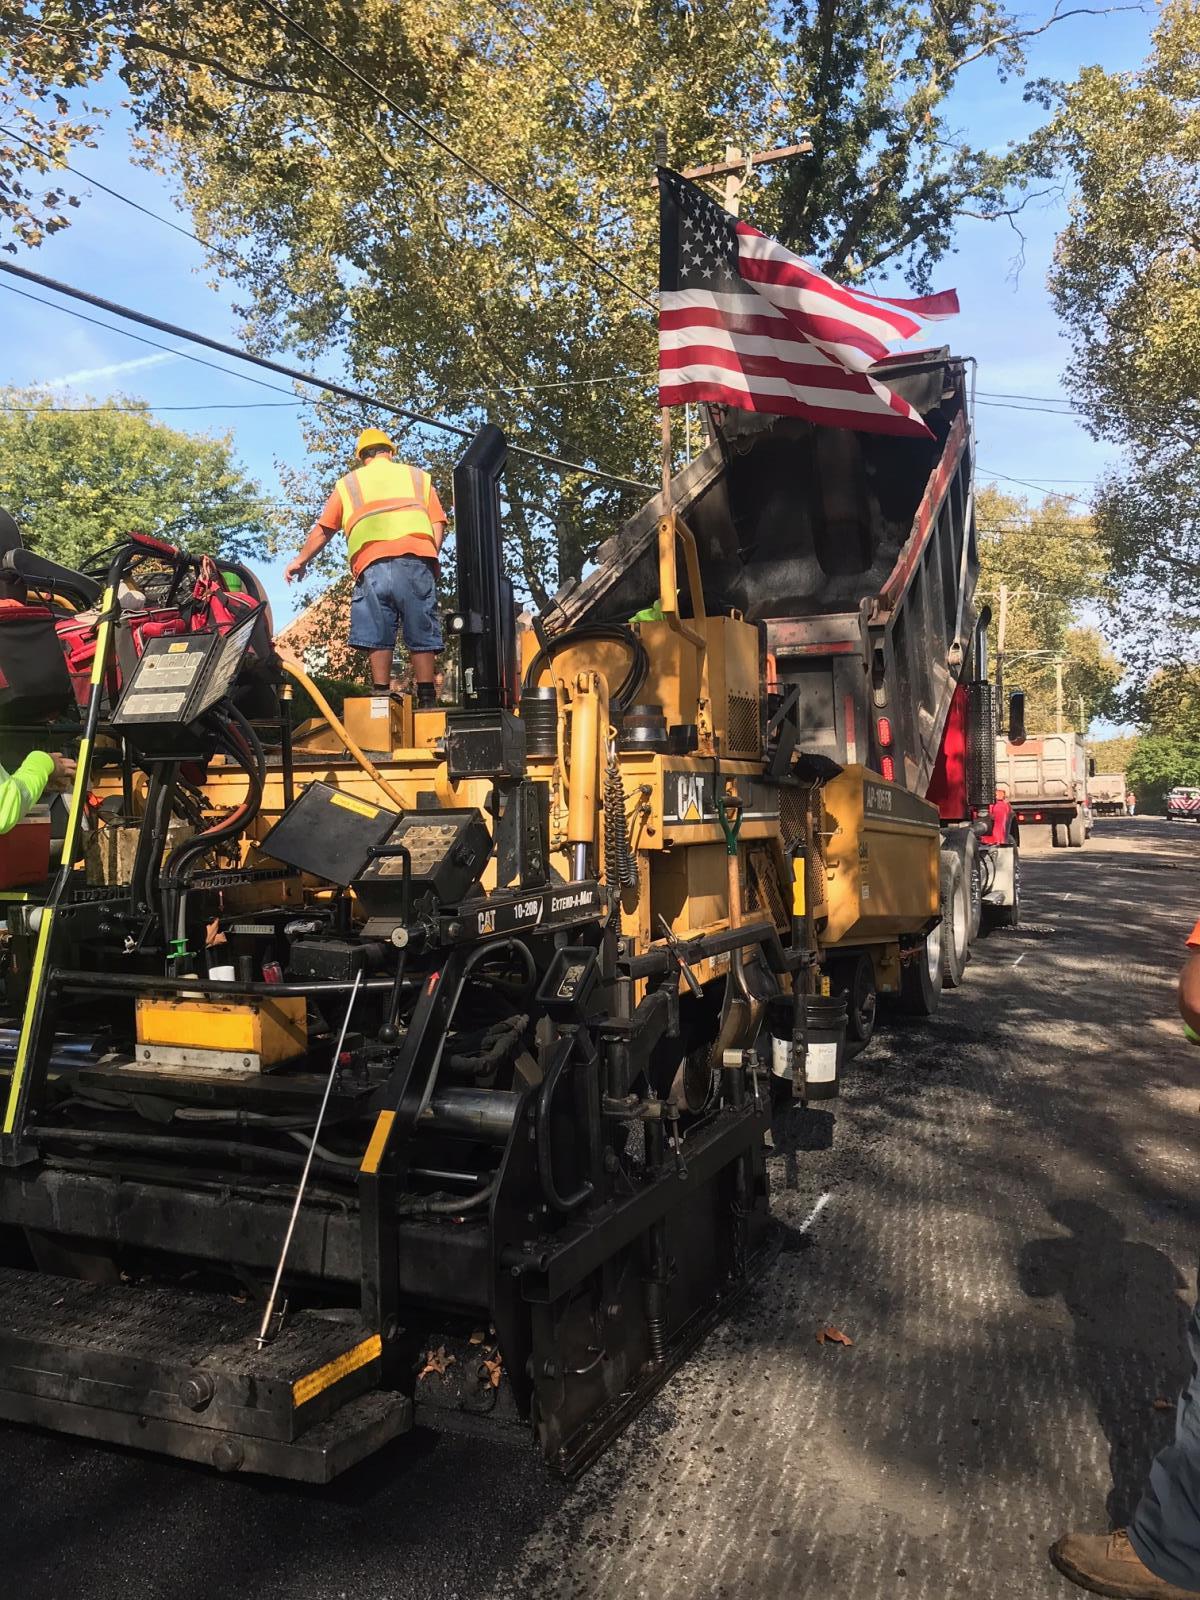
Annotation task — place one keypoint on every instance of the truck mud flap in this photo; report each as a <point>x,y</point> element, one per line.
<point>180,1374</point>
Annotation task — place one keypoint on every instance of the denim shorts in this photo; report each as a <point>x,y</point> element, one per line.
<point>396,593</point>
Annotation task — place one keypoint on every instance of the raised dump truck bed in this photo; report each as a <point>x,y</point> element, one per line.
<point>856,552</point>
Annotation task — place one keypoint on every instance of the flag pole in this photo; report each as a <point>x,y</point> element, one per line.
<point>660,160</point>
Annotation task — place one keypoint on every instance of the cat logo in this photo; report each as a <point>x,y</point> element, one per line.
<point>689,798</point>
<point>487,922</point>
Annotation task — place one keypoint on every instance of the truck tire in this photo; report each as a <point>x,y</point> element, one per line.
<point>1076,831</point>
<point>921,977</point>
<point>1056,837</point>
<point>855,978</point>
<point>956,919</point>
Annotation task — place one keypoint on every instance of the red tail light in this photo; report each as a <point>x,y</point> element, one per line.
<point>1037,816</point>
<point>884,729</point>
<point>889,769</point>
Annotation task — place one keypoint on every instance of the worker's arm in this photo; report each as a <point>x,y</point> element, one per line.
<point>22,791</point>
<point>309,550</point>
<point>1189,989</point>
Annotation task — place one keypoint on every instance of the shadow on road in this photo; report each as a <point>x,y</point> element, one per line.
<point>1130,1331</point>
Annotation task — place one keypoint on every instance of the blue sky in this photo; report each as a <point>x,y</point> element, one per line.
<point>1007,321</point>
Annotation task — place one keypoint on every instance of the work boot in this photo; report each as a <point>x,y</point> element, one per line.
<point>1106,1563</point>
<point>426,697</point>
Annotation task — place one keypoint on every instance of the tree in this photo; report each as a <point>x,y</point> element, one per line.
<point>1114,755</point>
<point>431,228</point>
<point>1126,281</point>
<point>1052,564</point>
<point>75,479</point>
<point>1158,764</point>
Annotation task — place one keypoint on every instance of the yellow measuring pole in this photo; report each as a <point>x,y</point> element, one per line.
<point>35,1004</point>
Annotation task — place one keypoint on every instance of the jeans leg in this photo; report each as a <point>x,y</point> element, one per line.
<point>1165,1530</point>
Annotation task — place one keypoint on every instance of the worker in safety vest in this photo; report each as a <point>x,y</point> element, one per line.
<point>394,526</point>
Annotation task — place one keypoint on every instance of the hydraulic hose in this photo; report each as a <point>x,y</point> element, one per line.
<point>627,691</point>
<point>293,668</point>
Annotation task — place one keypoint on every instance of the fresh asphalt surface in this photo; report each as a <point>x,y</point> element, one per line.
<point>1009,1237</point>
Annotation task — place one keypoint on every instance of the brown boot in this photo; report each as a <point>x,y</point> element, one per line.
<point>1106,1563</point>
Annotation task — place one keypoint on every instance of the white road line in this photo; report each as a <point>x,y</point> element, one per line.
<point>1020,958</point>
<point>816,1211</point>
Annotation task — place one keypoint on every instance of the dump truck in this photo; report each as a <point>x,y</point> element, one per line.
<point>1044,777</point>
<point>1106,793</point>
<point>415,1065</point>
<point>856,557</point>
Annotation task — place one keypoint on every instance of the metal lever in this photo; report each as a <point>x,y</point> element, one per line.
<point>265,1332</point>
<point>676,949</point>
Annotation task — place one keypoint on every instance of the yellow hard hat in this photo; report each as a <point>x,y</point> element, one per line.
<point>371,439</point>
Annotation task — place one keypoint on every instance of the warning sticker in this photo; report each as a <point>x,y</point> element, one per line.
<point>152,703</point>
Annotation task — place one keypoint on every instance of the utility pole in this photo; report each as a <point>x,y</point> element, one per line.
<point>1082,723</point>
<point>1001,630</point>
<point>1058,694</point>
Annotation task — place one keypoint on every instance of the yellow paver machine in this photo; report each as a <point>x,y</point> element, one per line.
<point>415,1065</point>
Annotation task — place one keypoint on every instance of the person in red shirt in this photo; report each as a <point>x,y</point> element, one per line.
<point>1002,821</point>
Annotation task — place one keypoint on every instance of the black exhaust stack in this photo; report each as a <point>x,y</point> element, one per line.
<point>484,623</point>
<point>484,738</point>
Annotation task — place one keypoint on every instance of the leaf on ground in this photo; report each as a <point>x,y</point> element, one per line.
<point>832,1335</point>
<point>492,1369</point>
<point>1161,1403</point>
<point>436,1361</point>
<point>477,1337</point>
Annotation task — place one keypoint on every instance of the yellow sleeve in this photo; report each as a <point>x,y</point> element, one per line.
<point>22,791</point>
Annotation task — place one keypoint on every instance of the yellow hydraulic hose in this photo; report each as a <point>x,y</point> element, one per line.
<point>293,667</point>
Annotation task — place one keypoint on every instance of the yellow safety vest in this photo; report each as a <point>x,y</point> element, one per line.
<point>385,512</point>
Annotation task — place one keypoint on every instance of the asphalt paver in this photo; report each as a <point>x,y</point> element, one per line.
<point>1000,1212</point>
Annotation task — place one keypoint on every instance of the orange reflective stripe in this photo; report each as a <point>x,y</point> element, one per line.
<point>385,500</point>
<point>377,506</point>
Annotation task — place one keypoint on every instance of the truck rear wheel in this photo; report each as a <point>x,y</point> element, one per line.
<point>855,978</point>
<point>921,976</point>
<point>956,919</point>
<point>1076,831</point>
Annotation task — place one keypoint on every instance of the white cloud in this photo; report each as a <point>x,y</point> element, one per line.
<point>110,371</point>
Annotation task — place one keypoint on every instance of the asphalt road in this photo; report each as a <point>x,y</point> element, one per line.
<point>1006,1226</point>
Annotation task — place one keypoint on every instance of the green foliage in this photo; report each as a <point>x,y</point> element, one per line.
<point>351,233</point>
<point>1114,755</point>
<point>1126,281</point>
<point>77,480</point>
<point>889,175</point>
<point>1170,702</point>
<point>1158,764</point>
<point>1052,564</point>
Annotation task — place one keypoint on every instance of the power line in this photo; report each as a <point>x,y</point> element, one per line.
<point>464,161</point>
<point>116,194</point>
<point>1010,405</point>
<point>296,374</point>
<point>1050,399</point>
<point>1024,482</point>
<point>184,355</point>
<point>134,410</point>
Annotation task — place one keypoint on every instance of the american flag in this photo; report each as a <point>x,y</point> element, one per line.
<point>744,322</point>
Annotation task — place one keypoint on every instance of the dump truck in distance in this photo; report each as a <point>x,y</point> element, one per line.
<point>1044,777</point>
<point>1106,793</point>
